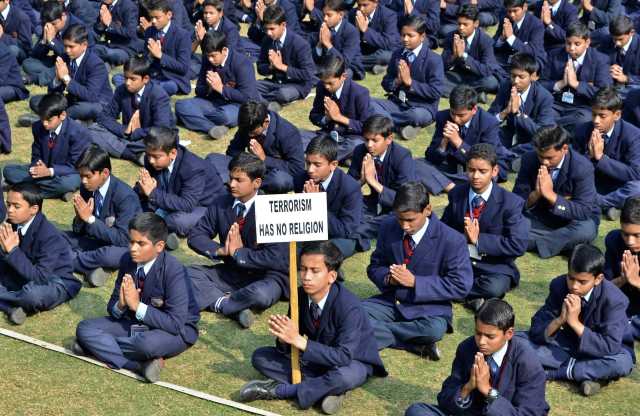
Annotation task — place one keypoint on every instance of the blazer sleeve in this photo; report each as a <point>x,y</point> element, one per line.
<point>96,77</point>
<point>304,66</point>
<point>44,261</point>
<point>245,85</point>
<point>292,154</point>
<point>108,117</point>
<point>543,317</point>
<point>161,113</point>
<point>115,294</point>
<point>193,183</point>
<point>514,238</point>
<point>347,220</point>
<point>264,257</point>
<point>619,170</point>
<point>545,117</point>
<point>181,62</point>
<point>460,370</point>
<point>603,17</point>
<point>484,66</point>
<point>406,172</point>
<point>601,79</point>
<point>201,237</point>
<point>433,153</point>
<point>173,315</point>
<point>118,235</point>
<point>378,268</point>
<point>388,38</point>
<point>579,207</point>
<point>431,89</point>
<point>606,338</point>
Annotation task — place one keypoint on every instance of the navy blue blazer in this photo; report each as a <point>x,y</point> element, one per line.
<point>427,74</point>
<point>5,140</point>
<point>574,185</point>
<point>122,33</point>
<point>521,383</point>
<point>429,10</point>
<point>226,27</point>
<point>398,167</point>
<point>154,108</point>
<point>10,72</point>
<point>631,108</point>
<point>621,161</point>
<point>168,294</point>
<point>604,318</point>
<point>603,12</point>
<point>555,34</point>
<point>256,31</point>
<point>450,14</point>
<point>440,263</point>
<point>529,39</point>
<point>69,146</point>
<point>480,62</point>
<point>296,54</point>
<point>353,103</point>
<point>90,82</point>
<point>181,16</point>
<point>251,262</point>
<point>41,50</point>
<point>631,62</point>
<point>17,27</point>
<point>42,255</point>
<point>83,10</point>
<point>238,77</point>
<point>346,44</point>
<point>538,113</point>
<point>176,56</point>
<point>504,233</point>
<point>615,247</point>
<point>382,33</point>
<point>593,74</point>
<point>121,204</point>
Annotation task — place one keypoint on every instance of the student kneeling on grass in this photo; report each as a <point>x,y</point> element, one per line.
<point>152,310</point>
<point>336,341</point>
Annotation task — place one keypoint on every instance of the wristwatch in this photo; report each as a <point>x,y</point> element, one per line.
<point>492,396</point>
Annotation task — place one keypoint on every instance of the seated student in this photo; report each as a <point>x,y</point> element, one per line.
<point>476,386</point>
<point>414,310</point>
<point>519,31</point>
<point>11,85</point>
<point>5,133</point>
<point>623,49</point>
<point>429,10</point>
<point>523,106</point>
<point>581,333</point>
<point>631,108</point>
<point>556,15</point>
<point>82,9</point>
<point>35,269</point>
<point>338,37</point>
<point>251,275</point>
<point>612,146</point>
<point>16,30</point>
<point>383,166</point>
<point>58,143</point>
<point>621,259</point>
<point>414,81</point>
<point>257,31</point>
<point>335,340</point>
<point>573,76</point>
<point>491,220</point>
<point>344,203</point>
<point>558,184</point>
<point>379,37</point>
<point>468,55</point>
<point>103,209</point>
<point>175,183</point>
<point>339,108</point>
<point>117,25</point>
<point>487,15</point>
<point>597,15</point>
<point>227,80</point>
<point>272,139</point>
<point>286,57</point>
<point>143,104</point>
<point>152,311</point>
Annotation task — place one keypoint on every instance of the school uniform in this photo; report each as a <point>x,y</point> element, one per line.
<point>284,154</point>
<point>574,218</point>
<point>563,14</point>
<point>528,37</point>
<point>18,32</point>
<point>605,349</point>
<point>169,312</point>
<point>345,40</point>
<point>255,277</point>
<point>210,108</point>
<point>256,35</point>
<point>617,174</point>
<point>11,84</point>
<point>381,37</point>
<point>5,134</point>
<point>518,377</point>
<point>340,355</point>
<point>631,108</point>
<point>598,19</point>
<point>120,38</point>
<point>232,38</point>
<point>429,10</point>
<point>83,10</point>
<point>439,261</point>
<point>34,17</point>
<point>59,150</point>
<point>418,104</point>
<point>627,57</point>
<point>37,274</point>
<point>183,191</point>
<point>449,15</point>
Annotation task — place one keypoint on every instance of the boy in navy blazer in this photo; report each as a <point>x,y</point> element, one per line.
<point>429,10</point>
<point>5,132</point>
<point>11,84</point>
<point>16,29</point>
<point>58,143</point>
<point>491,220</point>
<point>379,37</point>
<point>449,14</point>
<point>335,340</point>
<point>558,184</point>
<point>286,57</point>
<point>420,266</point>
<point>257,31</point>
<point>612,146</point>
<point>556,15</point>
<point>117,32</point>
<point>103,209</point>
<point>623,49</point>
<point>226,81</point>
<point>582,333</point>
<point>597,15</point>
<point>251,275</point>
<point>573,76</point>
<point>82,9</point>
<point>35,266</point>
<point>414,81</point>
<point>152,309</point>
<point>493,373</point>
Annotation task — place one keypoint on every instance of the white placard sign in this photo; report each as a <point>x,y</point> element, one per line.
<point>291,217</point>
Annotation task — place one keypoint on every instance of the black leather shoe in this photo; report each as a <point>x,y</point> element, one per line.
<point>429,351</point>
<point>173,242</point>
<point>474,304</point>
<point>77,349</point>
<point>259,390</point>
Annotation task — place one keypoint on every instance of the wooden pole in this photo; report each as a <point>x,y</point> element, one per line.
<point>296,376</point>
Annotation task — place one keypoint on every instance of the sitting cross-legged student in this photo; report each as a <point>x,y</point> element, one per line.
<point>335,338</point>
<point>11,84</point>
<point>378,27</point>
<point>597,14</point>
<point>556,16</point>
<point>17,30</point>
<point>117,32</point>
<point>477,385</point>
<point>152,309</point>
<point>487,16</point>
<point>257,31</point>
<point>623,49</point>
<point>582,332</point>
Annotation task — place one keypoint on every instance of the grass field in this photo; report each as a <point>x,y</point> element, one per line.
<point>38,382</point>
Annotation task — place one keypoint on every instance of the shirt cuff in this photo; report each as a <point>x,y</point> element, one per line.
<point>91,219</point>
<point>141,312</point>
<point>319,51</point>
<point>511,39</point>
<point>116,311</point>
<point>465,56</point>
<point>52,172</point>
<point>463,403</point>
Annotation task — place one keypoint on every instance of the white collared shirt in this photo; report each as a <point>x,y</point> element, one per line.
<point>5,12</point>
<point>417,237</point>
<point>338,92</point>
<point>283,37</point>
<point>337,27</point>
<point>382,156</point>
<point>79,59</point>
<point>499,355</point>
<point>371,15</point>
<point>170,167</point>
<point>524,95</point>
<point>146,266</point>
<point>555,7</point>
<point>322,301</point>
<point>247,205</point>
<point>25,226</point>
<point>105,188</point>
<point>577,63</point>
<point>417,50</point>
<point>627,45</point>
<point>485,195</point>
<point>327,182</point>
<point>515,25</point>
<point>470,38</point>
<point>139,93</point>
<point>585,297</point>
<point>165,29</point>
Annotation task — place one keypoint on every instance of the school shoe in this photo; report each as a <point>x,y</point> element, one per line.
<point>515,165</point>
<point>259,390</point>
<point>97,277</point>
<point>409,132</point>
<point>26,120</point>
<point>139,159</point>
<point>246,318</point>
<point>218,132</point>
<point>17,316</point>
<point>77,349</point>
<point>173,242</point>
<point>590,388</point>
<point>274,106</point>
<point>482,97</point>
<point>429,351</point>
<point>67,196</point>
<point>331,404</point>
<point>151,369</point>
<point>378,69</point>
<point>474,304</point>
<point>612,214</point>
<point>27,80</point>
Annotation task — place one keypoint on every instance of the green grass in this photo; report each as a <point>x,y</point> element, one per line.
<point>35,381</point>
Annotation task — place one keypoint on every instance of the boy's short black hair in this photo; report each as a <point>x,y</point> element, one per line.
<point>94,159</point>
<point>217,4</point>
<point>621,25</point>
<point>249,164</point>
<point>30,192</point>
<point>333,66</point>
<point>468,11</point>
<point>607,98</point>
<point>332,256</point>
<point>412,196</point>
<point>51,105</point>
<point>273,15</point>
<point>335,5</point>
<point>579,30</point>
<point>138,65</point>
<point>213,42</point>
<point>161,138</point>
<point>162,5</point>
<point>483,151</point>
<point>324,146</point>
<point>498,313</point>
<point>463,97</point>
<point>586,258</point>
<point>416,22</point>
<point>525,62</point>
<point>514,3</point>
<point>50,11</point>
<point>378,124</point>
<point>550,137</point>
<point>76,34</point>
<point>631,211</point>
<point>251,115</point>
<point>151,225</point>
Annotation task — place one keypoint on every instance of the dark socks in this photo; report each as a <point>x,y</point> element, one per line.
<point>286,391</point>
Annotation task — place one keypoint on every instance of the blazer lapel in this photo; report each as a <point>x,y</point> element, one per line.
<point>396,247</point>
<point>151,278</point>
<point>107,199</point>
<point>492,207</point>
<point>27,240</point>
<point>427,244</point>
<point>326,310</point>
<point>562,175</point>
